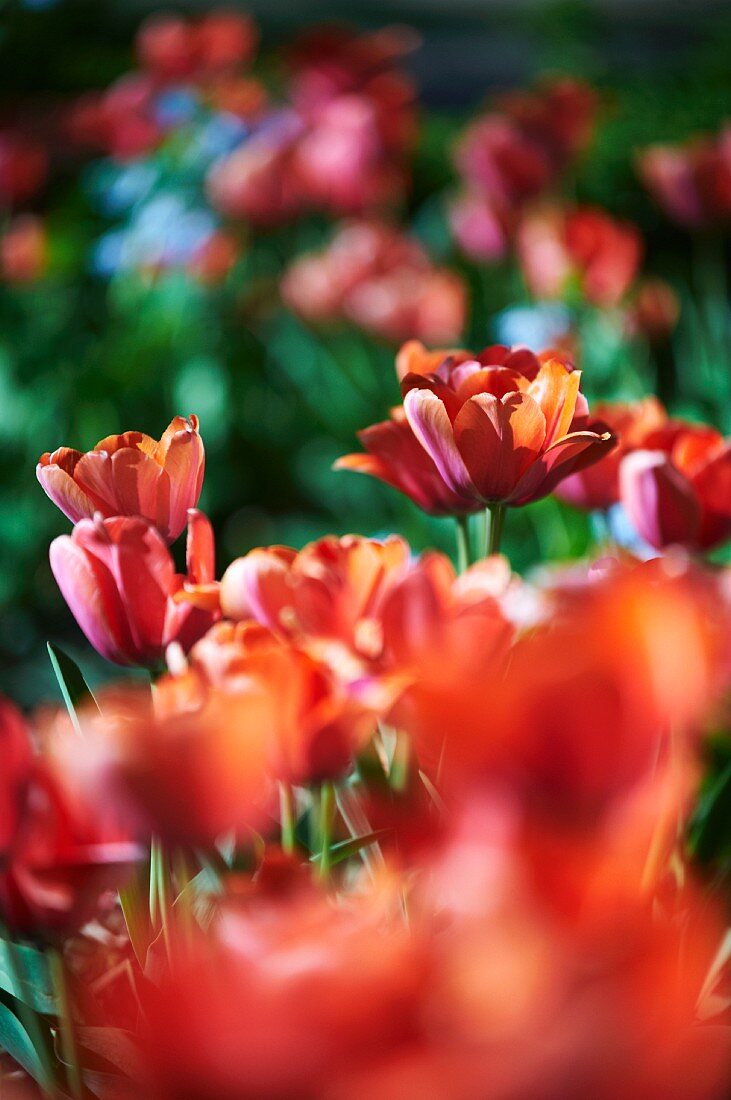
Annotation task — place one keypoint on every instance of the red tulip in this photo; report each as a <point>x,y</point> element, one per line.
<point>256,181</point>
<point>559,115</point>
<point>677,488</point>
<point>498,159</point>
<point>496,435</point>
<point>64,865</point>
<point>319,1022</point>
<point>15,751</point>
<point>130,475</point>
<point>166,46</point>
<point>224,39</point>
<point>118,577</point>
<point>597,487</point>
<point>584,244</point>
<point>394,455</point>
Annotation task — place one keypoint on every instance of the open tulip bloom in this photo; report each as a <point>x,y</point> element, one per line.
<point>503,428</point>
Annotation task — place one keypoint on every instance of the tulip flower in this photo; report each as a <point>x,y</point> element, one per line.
<point>16,756</point>
<point>331,591</point>
<point>130,475</point>
<point>597,487</point>
<point>691,182</point>
<point>65,866</point>
<point>583,244</point>
<point>497,436</point>
<point>118,578</point>
<point>677,488</point>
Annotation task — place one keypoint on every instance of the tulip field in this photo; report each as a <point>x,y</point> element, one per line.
<point>411,785</point>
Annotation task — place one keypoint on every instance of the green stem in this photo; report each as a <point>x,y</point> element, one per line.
<point>497,522</point>
<point>160,892</point>
<point>464,546</point>
<point>67,1030</point>
<point>326,808</point>
<point>288,817</point>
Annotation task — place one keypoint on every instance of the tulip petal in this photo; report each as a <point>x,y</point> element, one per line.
<point>566,456</point>
<point>184,463</point>
<point>61,488</point>
<point>431,426</point>
<point>556,389</point>
<point>659,500</point>
<point>396,457</point>
<point>90,595</point>
<point>257,586</point>
<point>499,440</point>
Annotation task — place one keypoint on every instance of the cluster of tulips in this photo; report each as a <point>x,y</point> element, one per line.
<point>374,827</point>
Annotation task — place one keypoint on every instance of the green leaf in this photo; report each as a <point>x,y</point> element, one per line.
<point>347,848</point>
<point>17,1042</point>
<point>26,975</point>
<point>74,689</point>
<point>710,834</point>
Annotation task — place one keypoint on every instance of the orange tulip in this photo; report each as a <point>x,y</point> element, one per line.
<point>315,1015</point>
<point>499,436</point>
<point>130,475</point>
<point>394,455</point>
<point>316,719</point>
<point>330,591</point>
<point>591,697</point>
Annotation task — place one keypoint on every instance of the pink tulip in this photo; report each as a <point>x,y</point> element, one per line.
<point>130,475</point>
<point>118,577</point>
